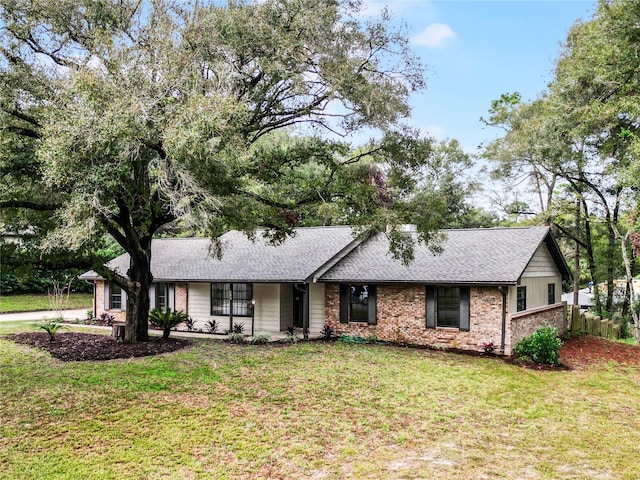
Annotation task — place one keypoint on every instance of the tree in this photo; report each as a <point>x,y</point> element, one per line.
<point>583,131</point>
<point>140,113</point>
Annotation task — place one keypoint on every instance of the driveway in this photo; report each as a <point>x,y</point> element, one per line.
<point>31,316</point>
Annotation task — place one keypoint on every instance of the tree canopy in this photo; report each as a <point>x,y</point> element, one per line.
<point>129,115</point>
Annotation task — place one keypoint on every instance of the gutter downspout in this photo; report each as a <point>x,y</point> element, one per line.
<point>503,290</point>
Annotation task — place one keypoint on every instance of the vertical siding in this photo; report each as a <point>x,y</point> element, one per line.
<point>267,313</point>
<point>286,305</point>
<point>536,291</point>
<point>317,317</point>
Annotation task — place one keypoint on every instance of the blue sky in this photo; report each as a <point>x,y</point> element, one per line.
<point>477,50</point>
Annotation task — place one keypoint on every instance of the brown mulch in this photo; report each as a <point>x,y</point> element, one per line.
<point>588,350</point>
<point>576,352</point>
<point>77,347</point>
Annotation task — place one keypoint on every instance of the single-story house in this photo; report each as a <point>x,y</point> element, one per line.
<point>492,285</point>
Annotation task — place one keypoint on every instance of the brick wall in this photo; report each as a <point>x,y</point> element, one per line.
<point>401,318</point>
<point>181,297</point>
<point>524,324</point>
<point>118,315</point>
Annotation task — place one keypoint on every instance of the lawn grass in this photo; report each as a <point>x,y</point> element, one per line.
<point>312,410</point>
<point>37,302</point>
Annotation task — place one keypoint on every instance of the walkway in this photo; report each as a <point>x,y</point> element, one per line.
<point>42,315</point>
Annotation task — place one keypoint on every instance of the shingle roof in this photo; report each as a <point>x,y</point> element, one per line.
<point>472,256</point>
<point>296,260</point>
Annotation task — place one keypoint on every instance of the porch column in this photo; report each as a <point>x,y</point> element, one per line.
<point>305,311</point>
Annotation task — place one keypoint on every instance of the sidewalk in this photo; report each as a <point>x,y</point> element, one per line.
<point>42,315</point>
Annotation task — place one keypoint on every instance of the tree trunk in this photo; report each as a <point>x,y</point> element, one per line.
<point>590,258</point>
<point>138,298</point>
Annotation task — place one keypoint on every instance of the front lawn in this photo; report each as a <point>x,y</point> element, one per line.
<point>312,410</point>
<point>37,302</point>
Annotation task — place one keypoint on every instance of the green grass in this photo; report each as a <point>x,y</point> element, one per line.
<point>312,410</point>
<point>37,302</point>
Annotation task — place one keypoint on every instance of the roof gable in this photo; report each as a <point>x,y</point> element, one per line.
<point>469,256</point>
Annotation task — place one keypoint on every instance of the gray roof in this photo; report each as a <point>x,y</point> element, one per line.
<point>470,256</point>
<point>296,260</point>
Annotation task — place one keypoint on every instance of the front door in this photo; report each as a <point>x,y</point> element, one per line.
<point>298,305</point>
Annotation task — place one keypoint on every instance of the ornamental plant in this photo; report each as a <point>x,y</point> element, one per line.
<point>543,346</point>
<point>167,319</point>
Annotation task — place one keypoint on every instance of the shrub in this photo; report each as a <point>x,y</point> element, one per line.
<point>489,347</point>
<point>212,326</point>
<point>235,337</point>
<point>238,327</point>
<point>52,327</point>
<point>190,323</point>
<point>290,338</point>
<point>106,319</point>
<point>543,346</point>
<point>624,328</point>
<point>261,338</point>
<point>167,319</point>
<point>327,331</point>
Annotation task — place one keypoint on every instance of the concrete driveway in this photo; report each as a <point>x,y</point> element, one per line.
<point>42,315</point>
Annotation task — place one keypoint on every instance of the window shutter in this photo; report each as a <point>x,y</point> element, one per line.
<point>107,296</point>
<point>123,303</point>
<point>171,293</point>
<point>344,303</point>
<point>152,296</point>
<point>430,301</point>
<point>372,305</point>
<point>464,309</point>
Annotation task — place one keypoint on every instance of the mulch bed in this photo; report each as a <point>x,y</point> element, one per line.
<point>71,346</point>
<point>77,347</point>
<point>588,350</point>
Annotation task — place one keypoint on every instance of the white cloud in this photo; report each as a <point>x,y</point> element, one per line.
<point>433,36</point>
<point>436,131</point>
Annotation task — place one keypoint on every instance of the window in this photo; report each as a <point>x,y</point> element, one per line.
<point>521,299</point>
<point>115,297</point>
<point>551,293</point>
<point>447,307</point>
<point>222,303</point>
<point>358,304</point>
<point>162,296</point>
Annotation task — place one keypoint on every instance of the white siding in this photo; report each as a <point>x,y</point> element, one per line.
<point>267,309</point>
<point>317,315</point>
<point>286,305</point>
<point>199,302</point>
<point>537,290</point>
<point>540,272</point>
<point>541,264</point>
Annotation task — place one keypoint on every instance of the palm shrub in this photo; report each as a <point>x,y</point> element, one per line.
<point>52,327</point>
<point>167,319</point>
<point>543,346</point>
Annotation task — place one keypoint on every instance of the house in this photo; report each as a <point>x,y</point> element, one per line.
<point>488,285</point>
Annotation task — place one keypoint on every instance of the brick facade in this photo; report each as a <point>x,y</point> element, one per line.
<point>401,319</point>
<point>524,324</point>
<point>118,315</point>
<point>181,302</point>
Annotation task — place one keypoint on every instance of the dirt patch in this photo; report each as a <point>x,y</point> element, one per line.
<point>75,347</point>
<point>588,350</point>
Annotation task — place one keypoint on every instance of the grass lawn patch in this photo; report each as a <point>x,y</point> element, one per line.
<point>312,410</point>
<point>37,302</point>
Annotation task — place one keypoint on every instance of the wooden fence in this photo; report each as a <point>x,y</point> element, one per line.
<point>587,322</point>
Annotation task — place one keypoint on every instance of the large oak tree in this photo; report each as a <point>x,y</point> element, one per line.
<point>137,113</point>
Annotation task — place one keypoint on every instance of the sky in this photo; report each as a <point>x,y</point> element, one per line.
<point>478,50</point>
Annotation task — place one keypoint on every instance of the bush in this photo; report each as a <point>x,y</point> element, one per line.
<point>327,331</point>
<point>238,327</point>
<point>235,337</point>
<point>213,326</point>
<point>167,319</point>
<point>52,327</point>
<point>624,328</point>
<point>541,347</point>
<point>261,339</point>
